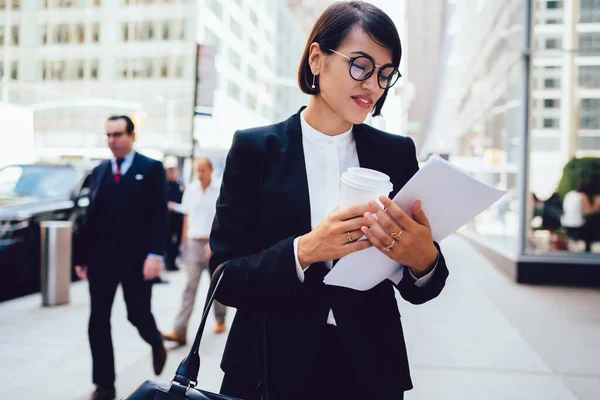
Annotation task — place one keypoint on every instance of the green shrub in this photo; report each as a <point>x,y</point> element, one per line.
<point>577,170</point>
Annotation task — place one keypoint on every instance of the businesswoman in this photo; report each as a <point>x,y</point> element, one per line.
<point>279,229</point>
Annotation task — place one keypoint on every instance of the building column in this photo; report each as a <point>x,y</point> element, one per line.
<point>569,116</point>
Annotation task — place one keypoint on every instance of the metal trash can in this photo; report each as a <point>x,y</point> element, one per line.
<point>56,238</point>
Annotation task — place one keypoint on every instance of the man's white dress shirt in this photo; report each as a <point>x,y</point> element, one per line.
<point>327,158</point>
<point>200,206</point>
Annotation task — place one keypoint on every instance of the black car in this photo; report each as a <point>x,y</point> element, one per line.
<point>30,194</point>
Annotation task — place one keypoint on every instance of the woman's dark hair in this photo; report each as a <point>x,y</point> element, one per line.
<point>334,26</point>
<point>128,122</point>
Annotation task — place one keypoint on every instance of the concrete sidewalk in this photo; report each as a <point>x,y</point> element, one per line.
<point>485,337</point>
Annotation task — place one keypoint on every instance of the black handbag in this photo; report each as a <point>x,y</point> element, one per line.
<point>183,385</point>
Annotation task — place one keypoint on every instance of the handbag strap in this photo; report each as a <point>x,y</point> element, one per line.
<point>187,372</point>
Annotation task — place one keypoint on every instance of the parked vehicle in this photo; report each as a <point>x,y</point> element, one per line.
<point>30,194</point>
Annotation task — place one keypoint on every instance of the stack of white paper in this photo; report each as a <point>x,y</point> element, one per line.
<point>450,198</point>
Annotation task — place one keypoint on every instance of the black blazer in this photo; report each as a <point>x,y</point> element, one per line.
<point>263,206</point>
<point>144,213</point>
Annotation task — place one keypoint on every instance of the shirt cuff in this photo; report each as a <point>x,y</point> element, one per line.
<point>422,281</point>
<point>152,255</point>
<point>178,208</point>
<point>299,270</point>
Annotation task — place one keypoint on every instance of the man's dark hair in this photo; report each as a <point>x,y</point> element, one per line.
<point>334,26</point>
<point>129,123</point>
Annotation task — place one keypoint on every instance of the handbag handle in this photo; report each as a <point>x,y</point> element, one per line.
<point>187,372</point>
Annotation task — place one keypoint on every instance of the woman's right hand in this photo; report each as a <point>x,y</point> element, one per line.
<point>330,240</point>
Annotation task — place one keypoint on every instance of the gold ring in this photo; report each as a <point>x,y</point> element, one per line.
<point>396,236</point>
<point>389,248</point>
<point>349,237</point>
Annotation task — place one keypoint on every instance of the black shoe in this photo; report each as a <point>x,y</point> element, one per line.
<point>158,281</point>
<point>159,358</point>
<point>103,393</point>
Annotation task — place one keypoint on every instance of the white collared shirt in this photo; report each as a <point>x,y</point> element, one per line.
<point>127,161</point>
<point>327,158</point>
<point>200,206</point>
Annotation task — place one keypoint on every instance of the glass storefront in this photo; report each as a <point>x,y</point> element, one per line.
<point>564,147</point>
<point>541,143</point>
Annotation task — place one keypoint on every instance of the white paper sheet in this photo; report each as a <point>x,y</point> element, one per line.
<point>450,198</point>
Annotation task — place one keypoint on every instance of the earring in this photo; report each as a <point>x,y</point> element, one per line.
<point>313,85</point>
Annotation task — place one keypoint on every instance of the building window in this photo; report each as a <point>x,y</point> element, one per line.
<point>551,83</point>
<point>125,31</point>
<point>552,44</point>
<point>253,46</point>
<point>176,31</point>
<point>80,33</point>
<point>236,28</point>
<point>552,5</point>
<point>233,90</point>
<point>212,39</point>
<point>252,74</point>
<point>96,32</point>
<point>589,76</point>
<point>251,101</point>
<point>589,42</point>
<point>15,35</point>
<point>43,29</point>
<point>164,68</point>
<point>178,68</point>
<point>590,114</point>
<point>57,70</point>
<point>550,123</point>
<point>13,73</point>
<point>216,7</point>
<point>590,11</point>
<point>93,69</point>
<point>235,59</point>
<point>166,32</point>
<point>551,103</point>
<point>253,18</point>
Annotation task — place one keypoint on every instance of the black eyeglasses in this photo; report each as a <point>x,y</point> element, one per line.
<point>362,67</point>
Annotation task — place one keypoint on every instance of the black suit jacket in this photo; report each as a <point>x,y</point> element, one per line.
<point>263,206</point>
<point>144,213</point>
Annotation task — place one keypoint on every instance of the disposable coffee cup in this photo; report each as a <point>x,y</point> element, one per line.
<point>361,185</point>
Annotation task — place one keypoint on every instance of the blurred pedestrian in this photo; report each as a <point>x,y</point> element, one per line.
<point>122,242</point>
<point>199,202</point>
<point>279,230</point>
<point>175,220</point>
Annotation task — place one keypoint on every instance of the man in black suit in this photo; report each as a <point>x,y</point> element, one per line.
<point>122,242</point>
<point>175,225</point>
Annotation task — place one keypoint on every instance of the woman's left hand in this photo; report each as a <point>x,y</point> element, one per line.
<point>405,240</point>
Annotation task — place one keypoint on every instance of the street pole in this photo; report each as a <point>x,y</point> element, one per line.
<point>523,181</point>
<point>194,104</point>
<point>6,70</point>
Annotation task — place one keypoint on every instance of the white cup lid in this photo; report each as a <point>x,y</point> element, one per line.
<point>367,179</point>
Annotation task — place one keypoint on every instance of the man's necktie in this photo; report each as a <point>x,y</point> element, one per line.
<point>117,175</point>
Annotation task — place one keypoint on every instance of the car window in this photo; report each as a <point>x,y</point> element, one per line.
<point>39,181</point>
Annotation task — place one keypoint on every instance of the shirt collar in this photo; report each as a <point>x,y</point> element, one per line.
<point>128,159</point>
<point>313,135</point>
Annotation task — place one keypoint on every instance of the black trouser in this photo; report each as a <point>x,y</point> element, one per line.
<point>332,378</point>
<point>103,283</point>
<point>173,241</point>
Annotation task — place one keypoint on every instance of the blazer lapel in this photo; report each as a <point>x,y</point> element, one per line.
<point>367,156</point>
<point>297,175</point>
<point>98,180</point>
